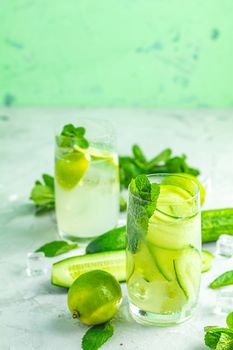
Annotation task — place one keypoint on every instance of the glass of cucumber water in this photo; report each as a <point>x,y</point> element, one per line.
<point>86,180</point>
<point>163,249</point>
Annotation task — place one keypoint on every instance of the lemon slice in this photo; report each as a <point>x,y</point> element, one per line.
<point>71,168</point>
<point>97,154</point>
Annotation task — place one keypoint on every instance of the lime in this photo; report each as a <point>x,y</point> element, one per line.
<point>94,297</point>
<point>97,154</point>
<point>71,168</point>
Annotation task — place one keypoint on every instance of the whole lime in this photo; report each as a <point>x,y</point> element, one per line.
<point>94,297</point>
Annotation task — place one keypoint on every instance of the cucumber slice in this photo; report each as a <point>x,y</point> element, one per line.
<point>143,263</point>
<point>176,201</point>
<point>64,272</point>
<point>207,260</point>
<point>167,232</point>
<point>164,260</point>
<point>188,271</point>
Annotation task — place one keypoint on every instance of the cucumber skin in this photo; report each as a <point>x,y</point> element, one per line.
<point>112,240</point>
<point>216,222</point>
<point>60,270</point>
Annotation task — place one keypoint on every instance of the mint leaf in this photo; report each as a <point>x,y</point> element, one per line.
<point>218,337</point>
<point>223,280</point>
<point>55,248</point>
<point>96,336</point>
<point>225,342</point>
<point>138,154</point>
<point>43,195</point>
<point>76,134</point>
<point>48,180</point>
<point>142,204</point>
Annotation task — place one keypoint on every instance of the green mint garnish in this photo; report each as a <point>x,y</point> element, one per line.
<point>96,336</point>
<point>43,194</point>
<point>55,248</point>
<point>76,134</point>
<point>132,166</point>
<point>141,207</point>
<point>223,280</point>
<point>220,338</point>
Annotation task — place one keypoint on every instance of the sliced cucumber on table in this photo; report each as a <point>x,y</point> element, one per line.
<point>64,272</point>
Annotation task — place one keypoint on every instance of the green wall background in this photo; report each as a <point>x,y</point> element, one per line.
<point>116,53</point>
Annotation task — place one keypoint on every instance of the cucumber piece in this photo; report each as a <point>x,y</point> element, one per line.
<point>143,263</point>
<point>188,271</point>
<point>112,240</point>
<point>207,260</point>
<point>164,260</point>
<point>64,272</point>
<point>167,232</point>
<point>215,223</point>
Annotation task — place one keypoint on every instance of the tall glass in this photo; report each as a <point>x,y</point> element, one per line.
<point>163,251</point>
<point>87,183</point>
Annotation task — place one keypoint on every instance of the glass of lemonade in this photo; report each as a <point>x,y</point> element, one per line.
<point>164,248</point>
<point>86,180</point>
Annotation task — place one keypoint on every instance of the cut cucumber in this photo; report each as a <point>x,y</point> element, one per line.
<point>176,201</point>
<point>164,260</point>
<point>167,232</point>
<point>188,271</point>
<point>143,264</point>
<point>64,272</point>
<point>207,260</point>
<point>112,240</point>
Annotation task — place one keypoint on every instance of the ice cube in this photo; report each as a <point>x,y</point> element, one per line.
<point>36,264</point>
<point>224,301</point>
<point>225,246</point>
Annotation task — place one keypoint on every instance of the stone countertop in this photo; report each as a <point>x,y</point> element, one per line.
<point>33,313</point>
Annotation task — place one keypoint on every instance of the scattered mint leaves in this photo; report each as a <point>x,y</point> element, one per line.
<point>223,280</point>
<point>56,248</point>
<point>43,195</point>
<point>142,204</point>
<point>132,166</point>
<point>96,336</point>
<point>76,134</point>
<point>219,338</point>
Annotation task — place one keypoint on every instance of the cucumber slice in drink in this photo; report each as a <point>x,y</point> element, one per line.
<point>166,232</point>
<point>188,271</point>
<point>207,260</point>
<point>164,259</point>
<point>64,272</point>
<point>176,202</point>
<point>145,264</point>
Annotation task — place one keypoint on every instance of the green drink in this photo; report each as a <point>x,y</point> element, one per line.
<point>164,244</point>
<point>86,182</point>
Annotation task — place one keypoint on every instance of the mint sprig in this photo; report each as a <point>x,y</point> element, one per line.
<point>219,338</point>
<point>56,248</point>
<point>76,134</point>
<point>97,335</point>
<point>142,204</point>
<point>164,162</point>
